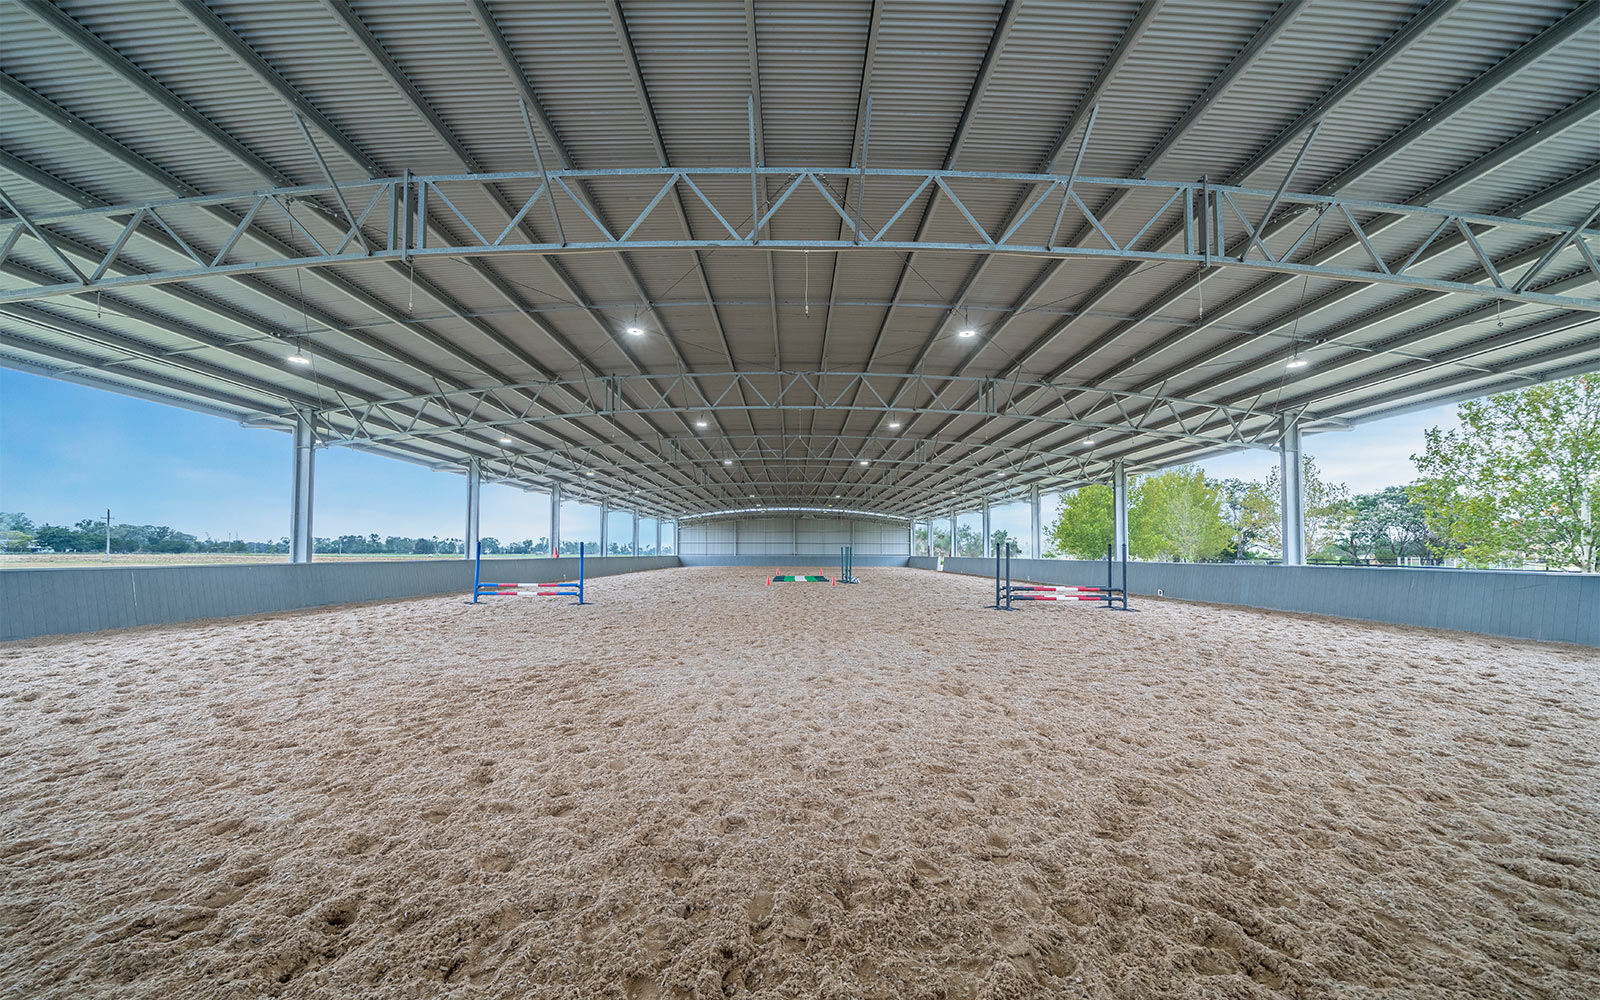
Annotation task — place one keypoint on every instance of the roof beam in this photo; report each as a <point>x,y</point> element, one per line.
<point>86,132</point>
<point>512,67</point>
<point>1381,58</point>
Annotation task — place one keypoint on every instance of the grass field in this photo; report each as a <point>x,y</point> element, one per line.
<point>38,560</point>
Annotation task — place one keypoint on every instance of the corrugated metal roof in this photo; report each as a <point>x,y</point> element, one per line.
<point>129,101</point>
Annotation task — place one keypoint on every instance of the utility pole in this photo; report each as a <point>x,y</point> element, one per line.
<point>108,534</point>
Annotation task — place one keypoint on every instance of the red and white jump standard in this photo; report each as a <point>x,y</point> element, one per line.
<point>1109,596</point>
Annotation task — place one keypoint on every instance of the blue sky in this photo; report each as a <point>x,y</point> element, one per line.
<point>68,452</point>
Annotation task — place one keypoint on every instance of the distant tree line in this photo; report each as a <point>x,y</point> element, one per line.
<point>19,533</point>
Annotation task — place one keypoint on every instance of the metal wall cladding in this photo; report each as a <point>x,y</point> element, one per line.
<point>1554,607</point>
<point>804,535</point>
<point>36,602</point>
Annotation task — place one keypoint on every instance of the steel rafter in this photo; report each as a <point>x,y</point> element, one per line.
<point>378,207</point>
<point>1197,421</point>
<point>244,229</point>
<point>1334,337</point>
<point>1359,239</point>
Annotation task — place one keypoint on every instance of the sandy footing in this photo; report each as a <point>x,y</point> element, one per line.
<point>703,787</point>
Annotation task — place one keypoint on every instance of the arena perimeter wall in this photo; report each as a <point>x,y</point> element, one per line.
<point>1557,607</point>
<point>51,601</point>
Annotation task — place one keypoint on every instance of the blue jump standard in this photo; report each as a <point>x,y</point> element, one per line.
<point>558,588</point>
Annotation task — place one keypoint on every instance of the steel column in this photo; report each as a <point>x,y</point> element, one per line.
<point>1292,498</point>
<point>474,479</point>
<point>605,527</point>
<point>658,535</point>
<point>986,528</point>
<point>952,533</point>
<point>635,515</point>
<point>555,519</point>
<point>1119,508</point>
<point>305,443</point>
<point>1035,525</point>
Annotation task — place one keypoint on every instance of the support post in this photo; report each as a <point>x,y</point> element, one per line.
<point>1035,525</point>
<point>469,547</point>
<point>986,527</point>
<point>1292,497</point>
<point>635,515</point>
<point>952,533</point>
<point>305,442</point>
<point>555,519</point>
<point>911,537</point>
<point>605,527</point>
<point>658,534</point>
<point>1119,506</point>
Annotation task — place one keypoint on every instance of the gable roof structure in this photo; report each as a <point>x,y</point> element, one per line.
<point>895,256</point>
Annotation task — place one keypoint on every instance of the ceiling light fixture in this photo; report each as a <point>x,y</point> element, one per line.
<point>894,425</point>
<point>700,424</point>
<point>634,331</point>
<point>968,332</point>
<point>505,440</point>
<point>727,461</point>
<point>1297,362</point>
<point>590,473</point>
<point>299,359</point>
<point>863,461</point>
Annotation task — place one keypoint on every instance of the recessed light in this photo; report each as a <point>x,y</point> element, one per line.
<point>299,359</point>
<point>1297,363</point>
<point>634,331</point>
<point>969,332</point>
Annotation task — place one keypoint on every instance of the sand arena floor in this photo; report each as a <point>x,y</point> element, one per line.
<point>699,787</point>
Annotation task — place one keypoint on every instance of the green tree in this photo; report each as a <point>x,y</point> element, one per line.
<point>1388,526</point>
<point>1520,479</point>
<point>968,541</point>
<point>998,539</point>
<point>1083,526</point>
<point>1249,511</point>
<point>1327,509</point>
<point>1177,517</point>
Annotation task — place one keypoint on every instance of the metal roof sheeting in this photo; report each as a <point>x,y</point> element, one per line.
<point>120,102</point>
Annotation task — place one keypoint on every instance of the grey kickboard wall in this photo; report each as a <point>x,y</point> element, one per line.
<point>50,601</point>
<point>1556,607</point>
